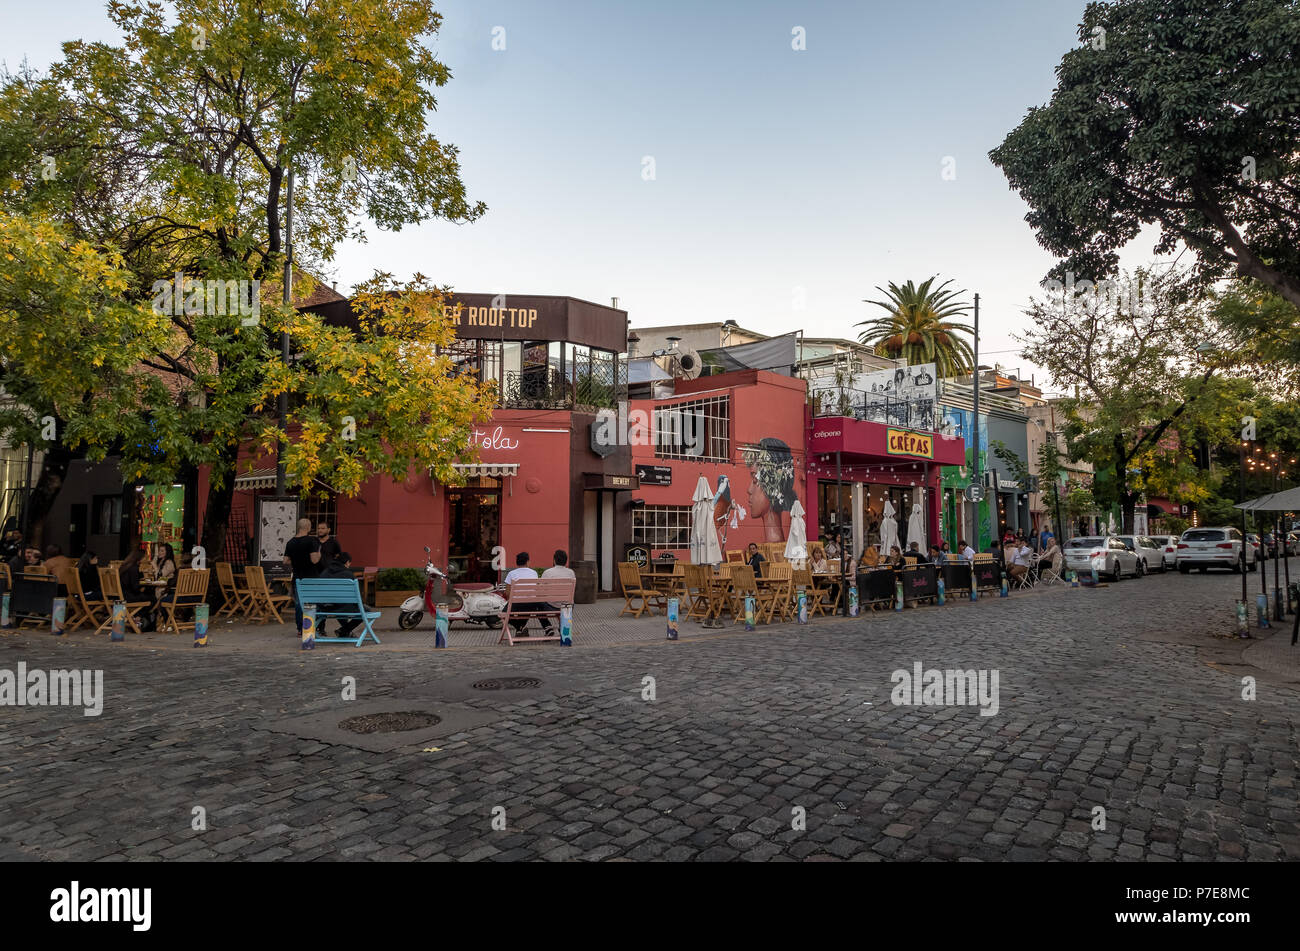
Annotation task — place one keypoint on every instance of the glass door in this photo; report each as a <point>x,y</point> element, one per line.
<point>474,530</point>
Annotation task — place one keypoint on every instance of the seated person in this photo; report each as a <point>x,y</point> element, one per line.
<point>755,560</point>
<point>937,555</point>
<point>967,552</point>
<point>870,558</point>
<point>832,550</point>
<point>523,572</point>
<point>1051,556</point>
<point>819,563</point>
<point>914,551</point>
<point>1022,561</point>
<point>896,560</point>
<point>56,560</point>
<point>338,567</point>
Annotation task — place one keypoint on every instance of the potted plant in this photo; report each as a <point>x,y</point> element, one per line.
<point>395,585</point>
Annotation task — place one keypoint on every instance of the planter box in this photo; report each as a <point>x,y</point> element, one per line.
<point>392,599</point>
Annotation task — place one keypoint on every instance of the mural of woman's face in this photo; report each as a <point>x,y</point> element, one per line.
<point>759,504</point>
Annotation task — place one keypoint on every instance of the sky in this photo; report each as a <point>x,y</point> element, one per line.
<point>787,184</point>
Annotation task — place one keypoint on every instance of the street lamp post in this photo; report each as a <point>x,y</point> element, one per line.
<point>1245,541</point>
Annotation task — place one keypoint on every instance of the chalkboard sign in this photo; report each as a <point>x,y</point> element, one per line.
<point>919,582</point>
<point>875,585</point>
<point>956,576</point>
<point>987,575</point>
<point>33,596</point>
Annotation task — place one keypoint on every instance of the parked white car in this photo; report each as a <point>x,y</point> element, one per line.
<point>1168,545</point>
<point>1205,548</point>
<point>1151,557</point>
<point>1115,559</point>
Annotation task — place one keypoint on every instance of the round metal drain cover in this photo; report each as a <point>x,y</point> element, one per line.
<point>389,722</point>
<point>508,683</point>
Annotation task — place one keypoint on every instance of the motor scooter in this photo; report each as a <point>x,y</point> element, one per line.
<point>476,603</point>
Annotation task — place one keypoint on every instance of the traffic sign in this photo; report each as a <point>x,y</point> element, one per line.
<point>974,493</point>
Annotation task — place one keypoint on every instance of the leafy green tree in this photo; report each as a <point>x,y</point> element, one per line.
<point>919,327</point>
<point>172,154</point>
<point>1184,115</point>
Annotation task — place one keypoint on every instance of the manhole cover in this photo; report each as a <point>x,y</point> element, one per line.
<point>389,722</point>
<point>508,683</point>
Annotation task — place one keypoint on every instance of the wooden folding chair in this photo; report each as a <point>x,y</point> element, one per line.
<point>695,586</point>
<point>236,598</point>
<point>743,586</point>
<point>83,609</point>
<point>778,579</point>
<point>191,590</point>
<point>110,590</point>
<point>803,578</point>
<point>736,556</point>
<point>629,574</point>
<point>262,604</point>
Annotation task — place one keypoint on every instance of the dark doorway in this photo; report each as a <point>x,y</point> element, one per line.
<point>77,531</point>
<point>474,529</point>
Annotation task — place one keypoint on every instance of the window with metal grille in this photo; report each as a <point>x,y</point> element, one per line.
<point>662,526</point>
<point>698,429</point>
<point>320,505</point>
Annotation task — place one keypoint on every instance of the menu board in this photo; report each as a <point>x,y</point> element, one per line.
<point>277,522</point>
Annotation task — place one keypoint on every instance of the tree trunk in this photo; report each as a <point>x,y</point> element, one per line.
<point>216,515</point>
<point>54,472</point>
<point>1128,504</point>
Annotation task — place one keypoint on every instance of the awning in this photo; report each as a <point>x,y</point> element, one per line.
<point>1287,501</point>
<point>486,468</point>
<point>256,479</point>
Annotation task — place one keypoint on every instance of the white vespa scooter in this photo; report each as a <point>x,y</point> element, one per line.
<point>478,603</point>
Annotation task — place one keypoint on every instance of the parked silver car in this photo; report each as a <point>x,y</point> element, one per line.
<point>1205,548</point>
<point>1168,545</point>
<point>1150,556</point>
<point>1114,558</point>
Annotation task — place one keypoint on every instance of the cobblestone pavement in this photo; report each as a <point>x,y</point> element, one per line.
<point>1119,698</point>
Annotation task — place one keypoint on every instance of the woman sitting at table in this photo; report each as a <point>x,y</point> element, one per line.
<point>819,563</point>
<point>896,558</point>
<point>88,574</point>
<point>870,558</point>
<point>164,569</point>
<point>129,573</point>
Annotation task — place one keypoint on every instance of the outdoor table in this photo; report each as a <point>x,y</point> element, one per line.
<point>835,585</point>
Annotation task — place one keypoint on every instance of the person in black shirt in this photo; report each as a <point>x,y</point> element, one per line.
<point>756,560</point>
<point>88,574</point>
<point>302,553</point>
<point>330,549</point>
<point>340,567</point>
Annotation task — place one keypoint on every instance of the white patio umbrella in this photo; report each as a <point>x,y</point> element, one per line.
<point>705,549</point>
<point>796,546</point>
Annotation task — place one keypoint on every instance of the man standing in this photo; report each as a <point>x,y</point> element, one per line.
<point>330,549</point>
<point>302,553</point>
<point>523,572</point>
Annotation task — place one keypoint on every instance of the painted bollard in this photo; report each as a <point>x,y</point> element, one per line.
<point>309,627</point>
<point>672,619</point>
<point>1072,577</point>
<point>1094,576</point>
<point>58,615</point>
<point>566,626</point>
<point>749,612</point>
<point>200,625</point>
<point>898,595</point>
<point>117,629</point>
<point>802,612</point>
<point>1004,591</point>
<point>4,611</point>
<point>853,602</point>
<point>441,624</point>
<point>940,596</point>
<point>1243,618</point>
<point>1261,609</point>
<point>1279,605</point>
<point>974,585</point>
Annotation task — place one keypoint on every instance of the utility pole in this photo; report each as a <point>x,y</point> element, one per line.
<point>1245,541</point>
<point>975,479</point>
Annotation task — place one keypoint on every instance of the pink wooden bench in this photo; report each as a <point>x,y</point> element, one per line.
<point>556,592</point>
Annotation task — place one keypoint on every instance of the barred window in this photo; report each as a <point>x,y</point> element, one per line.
<point>662,526</point>
<point>698,429</point>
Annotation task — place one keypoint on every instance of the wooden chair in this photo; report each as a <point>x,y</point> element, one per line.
<point>803,578</point>
<point>110,591</point>
<point>735,556</point>
<point>191,590</point>
<point>744,586</point>
<point>83,609</point>
<point>629,575</point>
<point>262,604</point>
<point>778,579</point>
<point>9,578</point>
<point>340,599</point>
<point>695,585</point>
<point>235,598</point>
<point>366,579</point>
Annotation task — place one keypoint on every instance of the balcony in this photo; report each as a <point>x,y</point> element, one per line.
<point>873,407</point>
<point>547,388</point>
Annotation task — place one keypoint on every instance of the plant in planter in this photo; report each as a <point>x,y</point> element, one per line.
<point>395,585</point>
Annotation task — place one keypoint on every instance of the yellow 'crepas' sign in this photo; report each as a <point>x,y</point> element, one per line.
<point>904,442</point>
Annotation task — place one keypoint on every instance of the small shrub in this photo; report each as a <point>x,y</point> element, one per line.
<point>400,579</point>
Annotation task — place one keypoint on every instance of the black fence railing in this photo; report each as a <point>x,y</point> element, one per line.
<point>874,407</point>
<point>592,383</point>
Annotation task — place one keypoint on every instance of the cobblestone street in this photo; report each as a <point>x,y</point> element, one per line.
<point>1120,698</point>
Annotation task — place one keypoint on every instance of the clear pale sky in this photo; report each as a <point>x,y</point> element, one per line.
<point>779,174</point>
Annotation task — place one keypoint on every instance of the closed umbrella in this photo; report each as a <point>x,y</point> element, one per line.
<point>796,546</point>
<point>705,549</point>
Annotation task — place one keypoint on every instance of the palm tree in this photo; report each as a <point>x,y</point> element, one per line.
<point>919,327</point>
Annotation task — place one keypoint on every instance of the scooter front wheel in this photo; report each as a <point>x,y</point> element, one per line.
<point>408,619</point>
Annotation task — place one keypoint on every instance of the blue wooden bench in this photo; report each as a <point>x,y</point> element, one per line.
<point>338,598</point>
